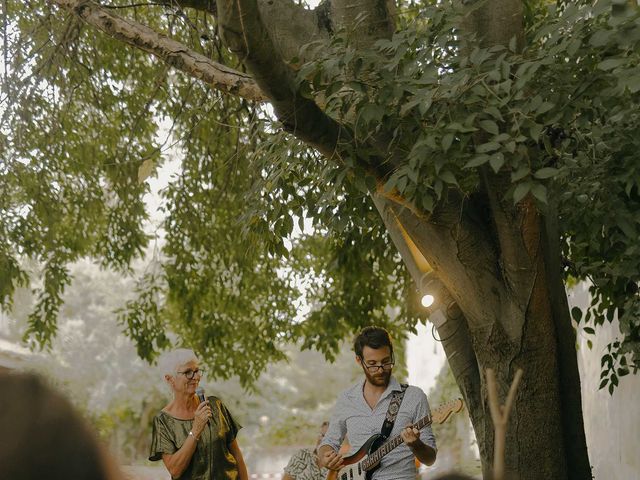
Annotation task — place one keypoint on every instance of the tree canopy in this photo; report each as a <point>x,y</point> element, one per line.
<point>81,130</point>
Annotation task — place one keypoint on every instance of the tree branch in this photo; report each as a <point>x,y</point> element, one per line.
<point>175,54</point>
<point>290,25</point>
<point>500,417</point>
<point>243,31</point>
<point>366,20</point>
<point>452,237</point>
<point>517,228</point>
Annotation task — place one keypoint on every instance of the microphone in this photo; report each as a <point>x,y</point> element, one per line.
<point>200,394</point>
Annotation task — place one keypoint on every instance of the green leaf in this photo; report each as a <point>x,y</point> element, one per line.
<point>611,63</point>
<point>535,130</point>
<point>520,191</point>
<point>490,126</point>
<point>510,146</point>
<point>546,172</point>
<point>576,314</point>
<point>406,107</point>
<point>632,83</point>
<point>427,203</point>
<point>589,330</point>
<point>448,177</point>
<point>496,161</point>
<point>544,108</point>
<point>494,112</point>
<point>540,192</point>
<point>477,161</point>
<point>600,38</point>
<point>425,106</point>
<point>145,170</point>
<point>488,147</point>
<point>447,140</point>
<point>372,113</point>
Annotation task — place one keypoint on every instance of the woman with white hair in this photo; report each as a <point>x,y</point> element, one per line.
<point>195,440</point>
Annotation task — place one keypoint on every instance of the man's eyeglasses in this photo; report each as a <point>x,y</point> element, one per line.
<point>384,366</point>
<point>189,374</point>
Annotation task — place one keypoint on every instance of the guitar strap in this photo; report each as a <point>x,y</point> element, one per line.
<point>392,412</point>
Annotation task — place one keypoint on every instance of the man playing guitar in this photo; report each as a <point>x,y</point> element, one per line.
<point>361,410</point>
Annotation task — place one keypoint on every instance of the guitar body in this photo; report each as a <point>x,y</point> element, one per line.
<point>352,468</point>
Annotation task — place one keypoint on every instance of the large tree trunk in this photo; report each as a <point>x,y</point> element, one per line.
<point>545,425</point>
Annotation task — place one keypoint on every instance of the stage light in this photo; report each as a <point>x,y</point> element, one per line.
<point>427,300</point>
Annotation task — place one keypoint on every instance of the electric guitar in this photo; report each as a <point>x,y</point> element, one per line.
<point>362,464</point>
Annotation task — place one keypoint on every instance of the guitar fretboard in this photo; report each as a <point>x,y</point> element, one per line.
<point>373,459</point>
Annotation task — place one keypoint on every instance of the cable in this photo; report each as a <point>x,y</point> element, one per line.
<point>440,340</point>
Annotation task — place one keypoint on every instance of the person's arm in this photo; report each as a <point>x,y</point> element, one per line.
<point>328,451</point>
<point>422,451</point>
<point>286,476</point>
<point>178,462</point>
<point>422,443</point>
<point>234,448</point>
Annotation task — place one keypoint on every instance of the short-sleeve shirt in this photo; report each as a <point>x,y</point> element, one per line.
<point>353,416</point>
<point>212,459</point>
<point>303,465</point>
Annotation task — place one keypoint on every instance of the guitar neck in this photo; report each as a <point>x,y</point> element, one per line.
<point>373,459</point>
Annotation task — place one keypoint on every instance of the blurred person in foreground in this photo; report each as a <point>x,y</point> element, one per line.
<point>195,440</point>
<point>43,436</point>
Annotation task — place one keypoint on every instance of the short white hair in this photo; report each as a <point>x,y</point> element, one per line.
<point>171,360</point>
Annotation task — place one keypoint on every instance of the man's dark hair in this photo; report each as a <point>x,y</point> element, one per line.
<point>372,337</point>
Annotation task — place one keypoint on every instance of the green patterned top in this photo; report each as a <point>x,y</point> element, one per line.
<point>212,459</point>
<point>304,466</point>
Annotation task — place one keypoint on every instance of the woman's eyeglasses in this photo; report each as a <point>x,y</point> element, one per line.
<point>189,374</point>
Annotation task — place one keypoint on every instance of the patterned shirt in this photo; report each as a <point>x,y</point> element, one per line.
<point>352,416</point>
<point>212,459</point>
<point>303,465</point>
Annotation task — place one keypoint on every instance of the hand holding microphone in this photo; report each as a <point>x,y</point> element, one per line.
<point>203,413</point>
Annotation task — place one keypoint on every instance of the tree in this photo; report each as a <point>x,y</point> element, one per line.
<point>496,140</point>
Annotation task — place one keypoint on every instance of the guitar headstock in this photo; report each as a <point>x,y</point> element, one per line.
<point>445,410</point>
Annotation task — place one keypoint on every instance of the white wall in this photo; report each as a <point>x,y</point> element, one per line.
<point>612,423</point>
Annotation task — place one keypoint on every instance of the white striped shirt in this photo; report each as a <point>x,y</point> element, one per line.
<point>353,417</point>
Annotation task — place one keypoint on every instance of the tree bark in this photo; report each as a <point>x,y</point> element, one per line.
<point>569,378</point>
<point>175,54</point>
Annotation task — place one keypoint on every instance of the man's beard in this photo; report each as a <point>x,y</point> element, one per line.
<point>379,379</point>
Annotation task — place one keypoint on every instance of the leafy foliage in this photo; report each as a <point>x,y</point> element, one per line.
<point>91,121</point>
<point>253,213</point>
<point>559,117</point>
